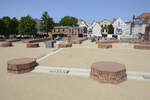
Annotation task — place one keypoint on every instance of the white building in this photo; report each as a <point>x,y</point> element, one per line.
<point>96,29</point>
<point>82,23</point>
<point>128,28</point>
<point>139,25</point>
<point>119,26</point>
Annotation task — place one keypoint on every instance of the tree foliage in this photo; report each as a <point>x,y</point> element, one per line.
<point>110,29</point>
<point>7,24</point>
<point>2,27</point>
<point>68,21</point>
<point>14,26</point>
<point>47,23</point>
<point>27,26</point>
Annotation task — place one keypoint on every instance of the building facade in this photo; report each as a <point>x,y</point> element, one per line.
<point>96,29</point>
<point>119,26</point>
<point>128,29</point>
<point>139,25</point>
<point>82,23</point>
<point>147,33</point>
<point>69,31</point>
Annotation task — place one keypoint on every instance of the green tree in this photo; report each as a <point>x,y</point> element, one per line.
<point>14,26</point>
<point>7,24</point>
<point>68,21</point>
<point>27,26</point>
<point>47,23</point>
<point>2,27</point>
<point>110,29</point>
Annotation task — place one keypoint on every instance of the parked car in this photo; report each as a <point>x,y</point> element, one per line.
<point>58,38</point>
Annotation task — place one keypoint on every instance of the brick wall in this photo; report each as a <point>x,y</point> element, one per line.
<point>73,31</point>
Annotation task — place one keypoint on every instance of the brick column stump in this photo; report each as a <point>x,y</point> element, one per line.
<point>108,72</point>
<point>142,46</point>
<point>64,45</point>
<point>106,46</point>
<point>32,45</point>
<point>19,66</point>
<point>6,44</point>
<point>75,41</point>
<point>13,40</point>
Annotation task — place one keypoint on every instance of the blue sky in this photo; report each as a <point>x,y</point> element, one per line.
<point>89,10</point>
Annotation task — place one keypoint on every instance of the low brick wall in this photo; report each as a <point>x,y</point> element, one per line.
<point>74,40</point>
<point>13,40</point>
<point>36,40</point>
<point>106,46</point>
<point>22,65</point>
<point>142,46</point>
<point>135,42</point>
<point>108,41</point>
<point>6,44</point>
<point>147,43</point>
<point>64,45</point>
<point>2,40</point>
<point>108,72</point>
<point>32,45</point>
<point>65,39</point>
<point>83,39</point>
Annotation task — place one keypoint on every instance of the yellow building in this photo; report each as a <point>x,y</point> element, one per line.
<point>104,25</point>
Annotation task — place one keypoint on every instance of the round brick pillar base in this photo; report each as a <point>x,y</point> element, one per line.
<point>108,72</point>
<point>22,65</point>
<point>6,44</point>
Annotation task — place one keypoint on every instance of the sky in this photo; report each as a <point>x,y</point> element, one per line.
<point>89,10</point>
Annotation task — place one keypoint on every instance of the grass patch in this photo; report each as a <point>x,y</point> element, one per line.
<point>126,39</point>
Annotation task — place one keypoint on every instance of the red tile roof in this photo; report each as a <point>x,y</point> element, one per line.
<point>115,19</point>
<point>143,15</point>
<point>80,20</point>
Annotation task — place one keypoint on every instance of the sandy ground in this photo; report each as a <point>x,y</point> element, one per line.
<point>36,86</point>
<point>20,50</point>
<point>135,60</point>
